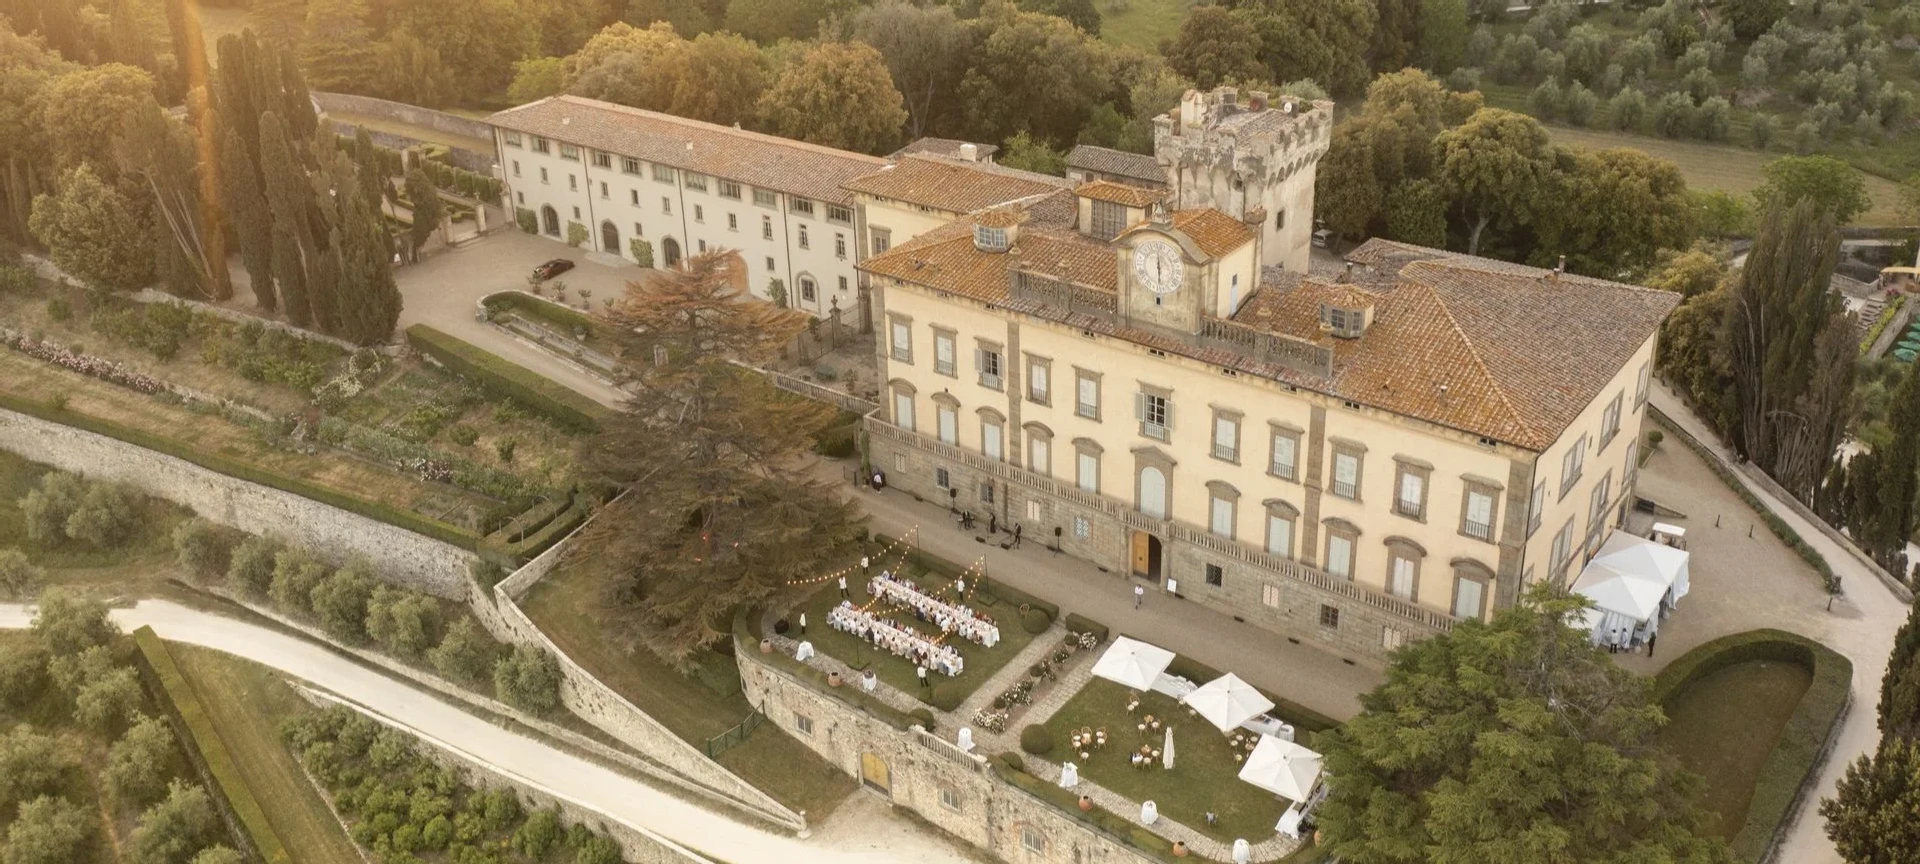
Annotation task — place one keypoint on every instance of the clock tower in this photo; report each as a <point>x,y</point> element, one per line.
<point>1164,276</point>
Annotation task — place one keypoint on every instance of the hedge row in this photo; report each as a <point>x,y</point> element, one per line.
<point>562,524</point>
<point>558,402</point>
<point>540,307</point>
<point>1010,768</point>
<point>746,640</point>
<point>375,510</point>
<point>1296,715</point>
<point>209,753</point>
<point>1775,524</point>
<point>1077,623</point>
<point>1797,755</point>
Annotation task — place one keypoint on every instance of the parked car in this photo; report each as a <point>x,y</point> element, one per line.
<point>551,269</point>
<point>1323,238</point>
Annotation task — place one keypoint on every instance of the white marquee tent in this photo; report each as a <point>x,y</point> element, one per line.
<point>1283,768</point>
<point>1132,663</point>
<point>1227,702</point>
<point>1630,581</point>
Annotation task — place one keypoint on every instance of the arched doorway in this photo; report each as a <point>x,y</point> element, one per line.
<point>550,220</point>
<point>609,238</point>
<point>1146,555</point>
<point>670,252</point>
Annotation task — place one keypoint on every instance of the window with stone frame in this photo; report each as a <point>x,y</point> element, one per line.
<point>882,240</point>
<point>1479,506</point>
<point>696,182</point>
<point>1226,435</point>
<point>1329,616</point>
<point>1472,586</point>
<point>942,478</point>
<point>1536,508</point>
<point>901,331</point>
<point>629,165</point>
<point>950,798</point>
<point>1571,465</point>
<point>1644,386</point>
<point>1039,449</point>
<point>1086,470</point>
<point>729,189</point>
<point>993,431</point>
<point>1153,408</point>
<point>1032,840</point>
<point>944,347</point>
<point>1610,421</point>
<point>1348,459</point>
<point>662,173</point>
<point>1597,504</point>
<point>1082,528</point>
<point>569,151</point>
<point>1086,394</point>
<point>1223,505</point>
<point>1270,596</point>
<point>540,145</point>
<point>1403,568</point>
<point>1343,542</point>
<point>1562,549</point>
<point>1153,482</point>
<point>1411,480</point>
<point>947,412</point>
<point>989,359</point>
<point>765,197</point>
<point>1282,518</point>
<point>903,405</point>
<point>1391,637</point>
<point>1632,466</point>
<point>1109,219</point>
<point>512,138</point>
<point>803,723</point>
<point>1283,458</point>
<point>1216,575</point>
<point>1039,380</point>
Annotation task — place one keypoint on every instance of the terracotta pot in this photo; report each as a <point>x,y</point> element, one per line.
<point>833,679</point>
<point>766,646</point>
<point>1085,803</point>
<point>1179,849</point>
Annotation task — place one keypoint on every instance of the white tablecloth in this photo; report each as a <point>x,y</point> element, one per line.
<point>899,641</point>
<point>948,617</point>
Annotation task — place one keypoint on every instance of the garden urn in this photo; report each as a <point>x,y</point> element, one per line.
<point>833,678</point>
<point>766,646</point>
<point>1179,849</point>
<point>1085,803</point>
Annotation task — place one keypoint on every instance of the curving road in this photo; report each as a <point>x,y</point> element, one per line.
<point>621,798</point>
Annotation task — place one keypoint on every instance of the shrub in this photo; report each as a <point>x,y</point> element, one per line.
<point>540,834</point>
<point>68,624</point>
<point>597,850</point>
<point>642,251</point>
<point>295,573</point>
<point>947,695</point>
<point>203,548</point>
<point>174,829</point>
<point>1035,621</point>
<point>340,602</point>
<point>19,577</point>
<point>1076,623</point>
<point>528,679</point>
<point>504,449</point>
<point>465,654</point>
<point>576,234</point>
<point>45,509</point>
<point>106,517</point>
<point>139,763</point>
<point>50,831</point>
<point>925,717</point>
<point>250,567</point>
<point>463,435</point>
<point>1013,760</point>
<point>403,622</point>
<point>1036,739</point>
<point>1654,437</point>
<point>23,672</point>
<point>59,310</point>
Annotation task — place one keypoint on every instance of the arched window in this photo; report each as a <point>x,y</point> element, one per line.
<point>1153,492</point>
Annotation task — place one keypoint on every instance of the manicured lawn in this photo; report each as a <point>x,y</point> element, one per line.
<point>566,606</point>
<point>247,703</point>
<point>1142,23</point>
<point>1723,726</point>
<point>980,663</point>
<point>1204,775</point>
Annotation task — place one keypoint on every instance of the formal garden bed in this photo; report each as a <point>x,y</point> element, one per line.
<point>1752,714</point>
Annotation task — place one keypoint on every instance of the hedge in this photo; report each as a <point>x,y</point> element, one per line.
<point>540,307</point>
<point>1296,715</point>
<point>1880,323</point>
<point>746,640</point>
<point>1775,524</point>
<point>375,510</point>
<point>208,752</point>
<point>1077,623</point>
<point>1802,742</point>
<point>560,403</point>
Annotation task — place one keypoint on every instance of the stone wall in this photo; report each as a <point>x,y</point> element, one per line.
<point>955,791</point>
<point>402,557</point>
<point>595,702</point>
<point>415,115</point>
<point>639,846</point>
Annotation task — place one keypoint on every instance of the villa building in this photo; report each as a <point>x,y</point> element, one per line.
<point>1359,460</point>
<point>684,187</point>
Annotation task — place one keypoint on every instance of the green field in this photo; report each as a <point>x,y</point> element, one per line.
<point>1757,698</point>
<point>247,703</point>
<point>1141,24</point>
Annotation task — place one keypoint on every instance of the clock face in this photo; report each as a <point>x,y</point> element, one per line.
<point>1158,267</point>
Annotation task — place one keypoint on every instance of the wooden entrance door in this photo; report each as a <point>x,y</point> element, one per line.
<point>873,772</point>
<point>1142,553</point>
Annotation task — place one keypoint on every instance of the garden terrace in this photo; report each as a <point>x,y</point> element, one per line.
<point>1785,693</point>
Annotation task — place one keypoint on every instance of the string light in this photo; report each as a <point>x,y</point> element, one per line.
<point>852,567</point>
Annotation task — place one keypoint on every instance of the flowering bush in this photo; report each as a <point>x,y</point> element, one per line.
<point>105,370</point>
<point>990,720</point>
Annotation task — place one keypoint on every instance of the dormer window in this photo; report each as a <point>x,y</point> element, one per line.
<point>1345,322</point>
<point>989,239</point>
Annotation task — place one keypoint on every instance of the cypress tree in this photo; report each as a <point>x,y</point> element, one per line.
<point>252,225</point>
<point>427,210</point>
<point>1900,473</point>
<point>290,274</point>
<point>1900,687</point>
<point>292,87</point>
<point>325,291</point>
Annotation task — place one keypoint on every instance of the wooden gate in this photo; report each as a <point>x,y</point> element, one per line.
<point>873,772</point>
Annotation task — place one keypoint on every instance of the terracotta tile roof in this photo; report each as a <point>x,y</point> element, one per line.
<point>948,147</point>
<point>1214,232</point>
<point>1001,217</point>
<point>1119,193</point>
<point>945,258</point>
<point>1119,163</point>
<point>951,184</point>
<point>763,161</point>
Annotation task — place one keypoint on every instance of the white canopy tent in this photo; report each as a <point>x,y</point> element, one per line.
<point>1283,768</point>
<point>1227,702</point>
<point>1631,581</point>
<point>1132,663</point>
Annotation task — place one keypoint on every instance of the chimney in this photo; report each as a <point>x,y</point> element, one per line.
<point>1256,100</point>
<point>1347,276</point>
<point>1559,269</point>
<point>970,152</point>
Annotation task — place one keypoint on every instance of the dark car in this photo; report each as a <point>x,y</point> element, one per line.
<point>551,269</point>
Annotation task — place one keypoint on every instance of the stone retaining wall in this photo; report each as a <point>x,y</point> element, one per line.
<point>402,557</point>
<point>415,115</point>
<point>595,702</point>
<point>638,845</point>
<point>957,792</point>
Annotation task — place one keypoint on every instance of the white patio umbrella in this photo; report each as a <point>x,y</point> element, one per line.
<point>1132,663</point>
<point>1283,768</point>
<point>1166,752</point>
<point>1227,702</point>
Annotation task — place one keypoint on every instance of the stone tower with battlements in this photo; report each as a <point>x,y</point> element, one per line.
<point>1254,159</point>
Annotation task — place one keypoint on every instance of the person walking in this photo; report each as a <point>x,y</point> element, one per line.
<point>1139,595</point>
<point>1650,638</point>
<point>803,623</point>
<point>1016,535</point>
<point>924,685</point>
<point>864,563</point>
<point>993,523</point>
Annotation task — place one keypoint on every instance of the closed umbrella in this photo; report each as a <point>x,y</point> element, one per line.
<point>1166,753</point>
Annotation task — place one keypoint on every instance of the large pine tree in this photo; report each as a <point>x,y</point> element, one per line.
<point>719,511</point>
